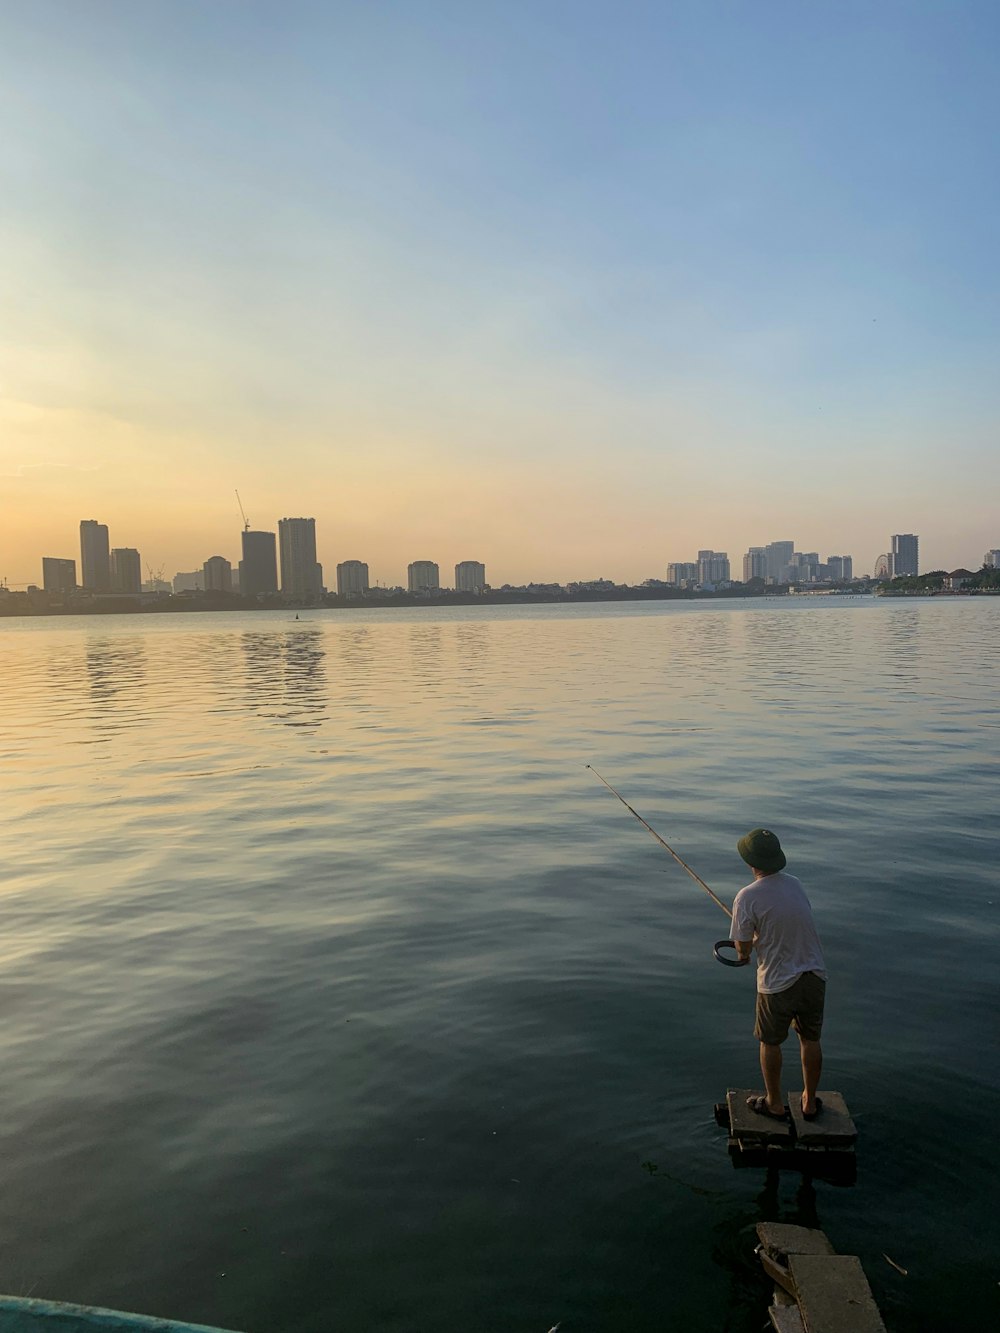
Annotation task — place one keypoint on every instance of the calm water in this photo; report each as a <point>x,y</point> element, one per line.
<point>338,994</point>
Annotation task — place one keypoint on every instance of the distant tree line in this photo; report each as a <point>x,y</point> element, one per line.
<point>984,580</point>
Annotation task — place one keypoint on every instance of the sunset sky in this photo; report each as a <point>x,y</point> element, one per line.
<point>571,288</point>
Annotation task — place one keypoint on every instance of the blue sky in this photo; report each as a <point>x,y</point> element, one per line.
<point>575,289</point>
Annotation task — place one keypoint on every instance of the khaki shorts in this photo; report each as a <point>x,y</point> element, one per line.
<point>800,1006</point>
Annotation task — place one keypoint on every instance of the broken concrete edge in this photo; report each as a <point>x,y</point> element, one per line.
<point>784,1238</point>
<point>802,1263</point>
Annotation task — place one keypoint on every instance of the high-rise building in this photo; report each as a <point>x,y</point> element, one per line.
<point>217,574</point>
<point>95,557</point>
<point>992,559</point>
<point>58,575</point>
<point>713,567</point>
<point>126,570</point>
<point>779,557</point>
<point>803,567</point>
<point>682,573</point>
<point>755,563</point>
<point>423,576</point>
<point>191,581</point>
<point>352,578</point>
<point>470,576</point>
<point>905,557</point>
<point>301,576</point>
<point>841,568</point>
<point>259,566</point>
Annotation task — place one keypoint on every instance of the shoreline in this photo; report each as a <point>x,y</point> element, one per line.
<point>154,604</point>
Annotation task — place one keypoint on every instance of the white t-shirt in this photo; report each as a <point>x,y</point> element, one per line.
<point>777,911</point>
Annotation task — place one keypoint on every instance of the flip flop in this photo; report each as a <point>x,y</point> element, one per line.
<point>760,1107</point>
<point>811,1115</point>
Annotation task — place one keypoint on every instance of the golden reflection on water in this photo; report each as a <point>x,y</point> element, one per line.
<point>286,901</point>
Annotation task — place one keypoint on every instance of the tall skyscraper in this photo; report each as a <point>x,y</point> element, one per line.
<point>218,574</point>
<point>841,568</point>
<point>259,566</point>
<point>95,557</point>
<point>301,576</point>
<point>905,558</point>
<point>803,567</point>
<point>126,570</point>
<point>779,557</point>
<point>423,576</point>
<point>352,578</point>
<point>713,567</point>
<point>470,576</point>
<point>58,575</point>
<point>992,559</point>
<point>755,564</point>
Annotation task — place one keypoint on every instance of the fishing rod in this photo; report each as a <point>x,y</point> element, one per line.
<point>680,861</point>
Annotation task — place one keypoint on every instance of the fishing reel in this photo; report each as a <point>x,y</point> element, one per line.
<point>729,962</point>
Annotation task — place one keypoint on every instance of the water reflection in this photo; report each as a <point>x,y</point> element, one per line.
<point>214,661</point>
<point>472,643</point>
<point>285,676</point>
<point>713,648</point>
<point>426,946</point>
<point>472,654</point>
<point>356,646</point>
<point>425,657</point>
<point>115,671</point>
<point>901,647</point>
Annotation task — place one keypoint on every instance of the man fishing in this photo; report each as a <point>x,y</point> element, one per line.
<point>773,916</point>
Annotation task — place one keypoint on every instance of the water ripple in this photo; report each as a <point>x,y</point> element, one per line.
<point>329,966</point>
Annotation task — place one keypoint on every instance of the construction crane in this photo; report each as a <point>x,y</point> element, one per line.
<point>246,521</point>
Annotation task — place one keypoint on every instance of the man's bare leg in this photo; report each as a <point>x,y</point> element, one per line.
<point>812,1067</point>
<point>770,1067</point>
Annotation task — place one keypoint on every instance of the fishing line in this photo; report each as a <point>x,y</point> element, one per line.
<point>721,944</point>
<point>680,860</point>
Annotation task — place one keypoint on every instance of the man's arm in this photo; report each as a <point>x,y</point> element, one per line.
<point>743,925</point>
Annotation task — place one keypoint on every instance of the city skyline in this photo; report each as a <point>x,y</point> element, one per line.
<point>575,315</point>
<point>285,561</point>
<point>297,541</point>
<point>387,572</point>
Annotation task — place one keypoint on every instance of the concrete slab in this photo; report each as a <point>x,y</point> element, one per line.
<point>833,1294</point>
<point>782,1239</point>
<point>832,1128</point>
<point>746,1124</point>
<point>786,1319</point>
